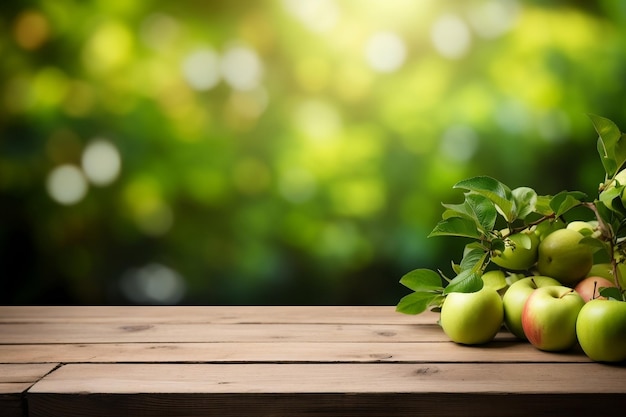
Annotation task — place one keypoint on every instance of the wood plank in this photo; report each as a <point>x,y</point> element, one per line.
<point>132,331</point>
<point>23,373</point>
<point>213,314</point>
<point>345,389</point>
<point>495,378</point>
<point>15,379</point>
<point>283,352</point>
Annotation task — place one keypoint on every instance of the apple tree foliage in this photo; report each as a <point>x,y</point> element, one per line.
<point>491,212</point>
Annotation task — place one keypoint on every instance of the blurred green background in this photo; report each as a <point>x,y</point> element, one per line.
<point>279,152</point>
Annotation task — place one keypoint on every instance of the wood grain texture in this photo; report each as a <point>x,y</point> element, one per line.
<point>284,352</point>
<point>213,314</point>
<point>268,361</point>
<point>330,389</point>
<point>15,379</point>
<point>342,378</point>
<point>130,331</point>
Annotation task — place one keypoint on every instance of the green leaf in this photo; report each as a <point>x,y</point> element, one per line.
<point>472,257</point>
<point>612,197</point>
<point>477,208</point>
<point>594,243</point>
<point>608,161</point>
<point>466,281</point>
<point>456,226</point>
<point>525,199</point>
<point>611,144</point>
<point>565,201</point>
<point>495,191</point>
<point>611,292</point>
<point>422,280</point>
<point>417,302</point>
<point>483,209</point>
<point>542,205</point>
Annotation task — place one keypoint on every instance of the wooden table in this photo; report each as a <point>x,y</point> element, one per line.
<point>281,361</point>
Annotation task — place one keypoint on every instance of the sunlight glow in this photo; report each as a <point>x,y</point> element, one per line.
<point>319,16</point>
<point>201,69</point>
<point>101,162</point>
<point>153,283</point>
<point>385,51</point>
<point>493,18</point>
<point>66,184</point>
<point>241,68</point>
<point>318,120</point>
<point>459,143</point>
<point>451,37</point>
<point>109,48</point>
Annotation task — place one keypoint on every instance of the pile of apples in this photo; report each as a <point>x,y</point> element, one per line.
<point>551,280</point>
<point>555,308</point>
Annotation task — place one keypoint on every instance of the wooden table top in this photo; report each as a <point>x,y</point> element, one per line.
<point>281,361</point>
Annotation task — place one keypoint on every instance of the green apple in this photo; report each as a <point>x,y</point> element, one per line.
<point>601,330</point>
<point>520,253</point>
<point>562,256</point>
<point>543,229</point>
<point>495,279</point>
<point>584,228</point>
<point>605,270</point>
<point>472,318</point>
<point>549,317</point>
<point>589,287</point>
<point>515,297</point>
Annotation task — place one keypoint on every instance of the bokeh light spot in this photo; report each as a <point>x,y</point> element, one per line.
<point>66,184</point>
<point>153,283</point>
<point>513,116</point>
<point>385,51</point>
<point>451,36</point>
<point>201,69</point>
<point>241,68</point>
<point>459,143</point>
<point>318,119</point>
<point>249,104</point>
<point>31,29</point>
<point>554,126</point>
<point>101,162</point>
<point>319,16</point>
<point>50,86</point>
<point>493,18</point>
<point>152,215</point>
<point>109,48</point>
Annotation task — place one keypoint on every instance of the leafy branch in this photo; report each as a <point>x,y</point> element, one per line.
<point>491,213</point>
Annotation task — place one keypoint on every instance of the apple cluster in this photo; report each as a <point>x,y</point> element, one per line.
<point>555,308</point>
<point>551,280</point>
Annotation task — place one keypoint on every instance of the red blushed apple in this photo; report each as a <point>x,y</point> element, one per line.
<point>589,287</point>
<point>549,317</point>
